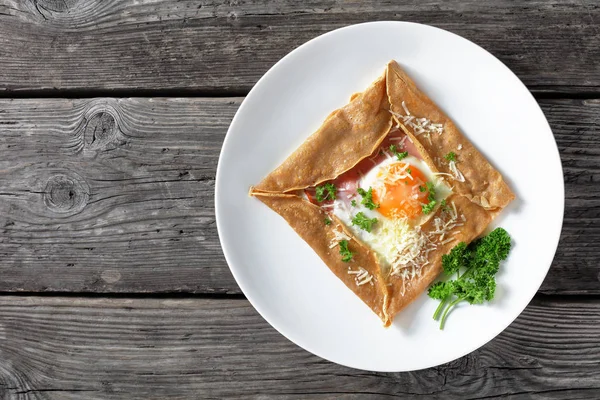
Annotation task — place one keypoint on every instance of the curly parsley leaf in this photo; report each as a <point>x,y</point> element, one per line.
<point>327,221</point>
<point>364,222</point>
<point>441,290</point>
<point>345,251</point>
<point>450,156</point>
<point>429,187</point>
<point>479,262</point>
<point>427,208</point>
<point>456,259</point>
<point>325,192</point>
<point>400,155</point>
<point>367,198</point>
<point>353,203</point>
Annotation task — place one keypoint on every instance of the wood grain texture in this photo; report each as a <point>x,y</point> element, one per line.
<point>56,348</point>
<point>111,195</point>
<point>107,195</point>
<point>224,47</point>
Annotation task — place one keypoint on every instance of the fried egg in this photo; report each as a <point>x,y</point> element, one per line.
<point>401,189</point>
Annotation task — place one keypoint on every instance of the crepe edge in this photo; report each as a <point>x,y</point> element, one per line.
<point>280,180</point>
<point>495,193</point>
<point>307,220</point>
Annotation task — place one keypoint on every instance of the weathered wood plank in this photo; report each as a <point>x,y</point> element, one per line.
<point>110,195</point>
<point>224,47</point>
<point>113,195</point>
<point>56,348</point>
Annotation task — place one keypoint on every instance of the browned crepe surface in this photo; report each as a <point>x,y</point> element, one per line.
<point>354,132</point>
<point>483,183</point>
<point>307,220</point>
<point>477,219</point>
<point>348,135</point>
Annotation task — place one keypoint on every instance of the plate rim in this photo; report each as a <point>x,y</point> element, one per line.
<point>289,335</point>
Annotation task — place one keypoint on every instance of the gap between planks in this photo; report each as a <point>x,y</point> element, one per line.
<point>539,93</point>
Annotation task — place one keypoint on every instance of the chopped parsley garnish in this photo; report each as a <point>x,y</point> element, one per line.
<point>364,222</point>
<point>401,155</point>
<point>327,221</point>
<point>409,171</point>
<point>430,187</point>
<point>325,192</point>
<point>427,208</point>
<point>345,251</point>
<point>450,156</point>
<point>367,198</point>
<point>475,267</point>
<point>353,203</point>
<point>444,205</point>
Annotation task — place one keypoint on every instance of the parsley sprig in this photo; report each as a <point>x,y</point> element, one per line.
<point>400,155</point>
<point>450,156</point>
<point>325,192</point>
<point>345,251</point>
<point>364,222</point>
<point>367,198</point>
<point>427,208</point>
<point>475,266</point>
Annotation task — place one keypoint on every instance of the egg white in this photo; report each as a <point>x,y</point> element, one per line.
<point>383,238</point>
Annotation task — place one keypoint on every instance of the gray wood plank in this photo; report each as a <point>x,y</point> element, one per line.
<point>111,195</point>
<point>224,47</point>
<point>116,195</point>
<point>74,348</point>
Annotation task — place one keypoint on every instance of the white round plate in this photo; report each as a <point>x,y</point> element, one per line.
<point>288,283</point>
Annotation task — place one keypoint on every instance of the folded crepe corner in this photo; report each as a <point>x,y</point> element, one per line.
<point>349,135</point>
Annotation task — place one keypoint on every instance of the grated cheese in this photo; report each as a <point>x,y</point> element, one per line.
<point>419,125</point>
<point>445,224</point>
<point>400,246</point>
<point>457,175</point>
<point>362,276</point>
<point>459,147</point>
<point>337,237</point>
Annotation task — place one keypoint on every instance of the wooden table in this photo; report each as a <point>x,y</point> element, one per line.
<point>112,280</point>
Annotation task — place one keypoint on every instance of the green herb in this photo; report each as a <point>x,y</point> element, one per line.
<point>409,171</point>
<point>325,192</point>
<point>475,267</point>
<point>450,156</point>
<point>430,187</point>
<point>363,222</point>
<point>400,155</point>
<point>345,251</point>
<point>327,221</point>
<point>367,198</point>
<point>427,208</point>
<point>353,203</point>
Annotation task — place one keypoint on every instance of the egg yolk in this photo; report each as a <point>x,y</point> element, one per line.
<point>405,191</point>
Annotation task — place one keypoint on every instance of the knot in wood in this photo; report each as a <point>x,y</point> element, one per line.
<point>59,6</point>
<point>66,194</point>
<point>100,129</point>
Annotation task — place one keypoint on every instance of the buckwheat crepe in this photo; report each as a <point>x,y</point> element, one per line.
<point>353,133</point>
